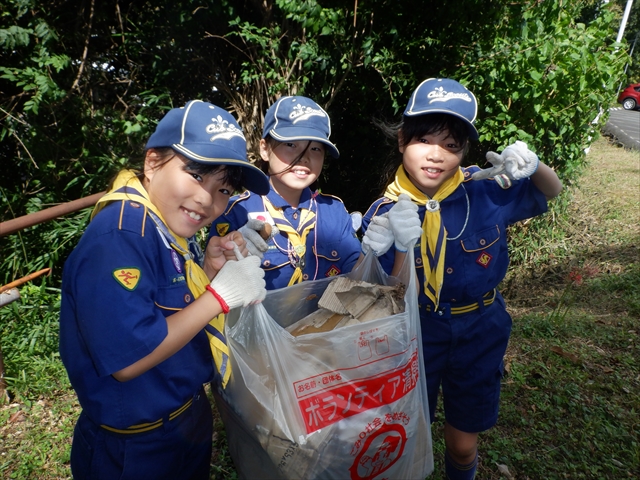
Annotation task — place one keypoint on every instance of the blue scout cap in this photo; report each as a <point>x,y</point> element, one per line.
<point>298,118</point>
<point>208,134</point>
<point>443,95</point>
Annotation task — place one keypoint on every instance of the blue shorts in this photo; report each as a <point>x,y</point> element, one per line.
<point>464,354</point>
<point>179,449</point>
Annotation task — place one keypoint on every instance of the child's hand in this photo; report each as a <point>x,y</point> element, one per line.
<point>378,236</point>
<point>240,283</point>
<point>405,223</point>
<point>220,250</point>
<point>257,233</point>
<point>516,162</point>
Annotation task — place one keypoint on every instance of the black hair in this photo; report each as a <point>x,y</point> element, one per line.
<point>409,128</point>
<point>232,175</point>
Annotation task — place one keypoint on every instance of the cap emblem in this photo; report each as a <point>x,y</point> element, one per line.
<point>301,112</point>
<point>221,128</point>
<point>440,95</point>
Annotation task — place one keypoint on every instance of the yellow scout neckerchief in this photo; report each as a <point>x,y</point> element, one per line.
<point>297,237</point>
<point>128,187</point>
<point>433,242</point>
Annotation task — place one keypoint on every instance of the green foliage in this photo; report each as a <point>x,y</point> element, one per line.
<point>29,332</point>
<point>41,246</point>
<point>548,82</point>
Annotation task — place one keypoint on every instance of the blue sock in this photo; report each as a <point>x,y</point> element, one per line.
<point>456,471</point>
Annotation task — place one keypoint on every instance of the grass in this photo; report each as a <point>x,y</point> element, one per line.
<point>570,405</point>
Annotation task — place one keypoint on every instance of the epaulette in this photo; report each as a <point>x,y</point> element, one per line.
<point>319,193</point>
<point>243,196</point>
<point>132,216</point>
<point>375,206</point>
<point>468,171</point>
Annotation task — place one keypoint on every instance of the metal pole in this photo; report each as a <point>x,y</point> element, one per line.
<point>12,226</point>
<point>626,66</point>
<point>623,23</point>
<point>25,279</point>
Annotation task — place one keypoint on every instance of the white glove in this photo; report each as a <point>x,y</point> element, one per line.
<point>516,162</point>
<point>240,282</point>
<point>405,223</point>
<point>255,243</point>
<point>378,236</point>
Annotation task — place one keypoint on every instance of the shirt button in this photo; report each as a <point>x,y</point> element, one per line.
<point>334,253</point>
<point>266,263</point>
<point>295,216</point>
<point>449,270</point>
<point>305,277</point>
<point>418,261</point>
<point>440,313</point>
<point>483,242</point>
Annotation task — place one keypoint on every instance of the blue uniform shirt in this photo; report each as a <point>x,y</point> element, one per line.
<point>332,247</point>
<point>476,216</point>
<point>119,285</point>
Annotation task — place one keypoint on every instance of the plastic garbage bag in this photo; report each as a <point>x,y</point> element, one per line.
<point>350,403</point>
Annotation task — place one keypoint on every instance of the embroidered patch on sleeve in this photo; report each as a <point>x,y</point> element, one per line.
<point>484,259</point>
<point>127,277</point>
<point>332,272</point>
<point>222,229</point>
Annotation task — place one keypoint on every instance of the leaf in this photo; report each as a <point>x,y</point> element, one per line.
<point>18,416</point>
<point>569,356</point>
<point>504,470</point>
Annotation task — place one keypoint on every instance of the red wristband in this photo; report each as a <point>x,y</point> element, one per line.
<point>223,304</point>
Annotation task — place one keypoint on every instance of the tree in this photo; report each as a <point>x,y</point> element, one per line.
<point>82,83</point>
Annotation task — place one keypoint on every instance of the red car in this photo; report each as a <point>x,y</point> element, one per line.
<point>630,97</point>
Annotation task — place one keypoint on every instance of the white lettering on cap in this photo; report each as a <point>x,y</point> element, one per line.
<point>440,95</point>
<point>302,113</point>
<point>221,128</point>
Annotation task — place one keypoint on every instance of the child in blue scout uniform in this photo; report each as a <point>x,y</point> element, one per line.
<point>459,217</point>
<point>315,236</point>
<point>135,304</point>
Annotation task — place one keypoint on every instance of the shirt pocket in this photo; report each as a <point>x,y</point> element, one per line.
<point>485,260</point>
<point>173,298</point>
<point>329,252</point>
<point>274,258</point>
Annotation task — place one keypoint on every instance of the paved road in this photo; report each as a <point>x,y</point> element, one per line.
<point>625,126</point>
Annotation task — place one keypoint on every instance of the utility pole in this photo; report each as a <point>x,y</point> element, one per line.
<point>623,23</point>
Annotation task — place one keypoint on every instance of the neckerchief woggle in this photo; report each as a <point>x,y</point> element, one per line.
<point>433,241</point>
<point>127,187</point>
<point>297,237</point>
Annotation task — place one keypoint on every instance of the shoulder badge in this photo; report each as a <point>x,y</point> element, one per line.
<point>222,229</point>
<point>128,277</point>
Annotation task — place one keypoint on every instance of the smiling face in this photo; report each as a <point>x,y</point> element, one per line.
<point>431,159</point>
<point>187,200</point>
<point>293,166</point>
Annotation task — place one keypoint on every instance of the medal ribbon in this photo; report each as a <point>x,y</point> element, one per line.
<point>127,187</point>
<point>433,241</point>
